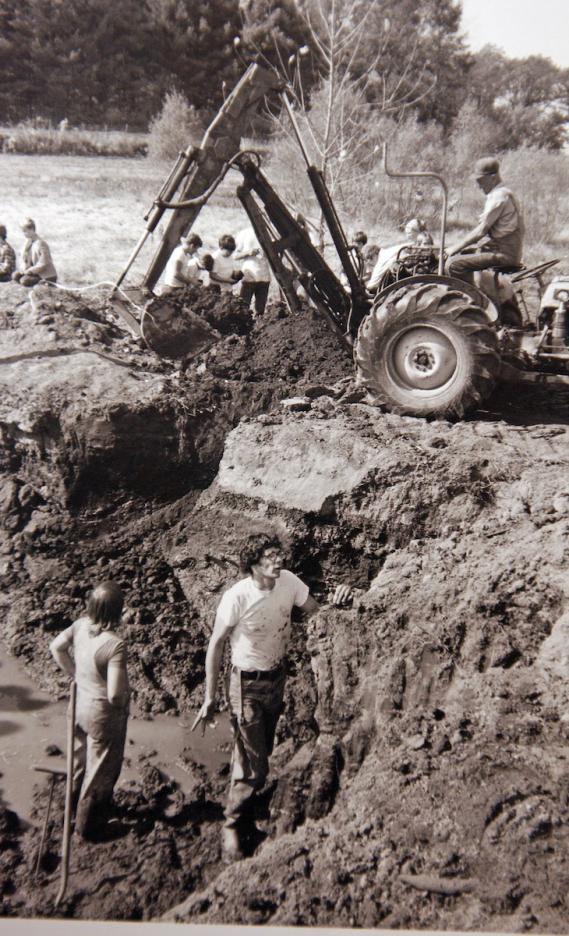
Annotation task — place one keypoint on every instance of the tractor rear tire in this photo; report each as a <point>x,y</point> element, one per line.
<point>427,350</point>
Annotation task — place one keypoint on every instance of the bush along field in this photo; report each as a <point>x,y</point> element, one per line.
<point>37,137</point>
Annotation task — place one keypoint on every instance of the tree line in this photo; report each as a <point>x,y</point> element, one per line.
<point>111,62</point>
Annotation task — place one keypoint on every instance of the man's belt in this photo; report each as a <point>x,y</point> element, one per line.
<point>270,675</point>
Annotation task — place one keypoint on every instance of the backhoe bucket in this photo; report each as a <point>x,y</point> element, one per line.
<point>173,331</point>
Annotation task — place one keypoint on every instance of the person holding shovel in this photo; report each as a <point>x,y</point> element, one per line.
<point>254,614</point>
<point>95,657</point>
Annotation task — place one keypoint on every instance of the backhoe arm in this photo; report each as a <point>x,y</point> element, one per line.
<point>199,170</point>
<point>280,233</point>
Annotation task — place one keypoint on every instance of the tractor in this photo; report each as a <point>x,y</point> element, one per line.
<point>425,344</point>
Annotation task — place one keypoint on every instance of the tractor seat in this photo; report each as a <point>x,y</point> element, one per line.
<point>513,268</point>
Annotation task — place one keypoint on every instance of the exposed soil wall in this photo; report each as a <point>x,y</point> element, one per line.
<point>420,779</point>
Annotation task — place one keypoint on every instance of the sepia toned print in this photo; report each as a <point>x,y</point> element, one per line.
<point>284,345</point>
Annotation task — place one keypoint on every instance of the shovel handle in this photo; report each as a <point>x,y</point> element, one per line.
<point>66,849</point>
<point>52,782</point>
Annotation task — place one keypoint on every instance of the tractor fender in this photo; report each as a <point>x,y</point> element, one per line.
<point>472,292</point>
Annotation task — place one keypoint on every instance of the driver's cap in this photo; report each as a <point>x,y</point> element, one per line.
<point>485,167</point>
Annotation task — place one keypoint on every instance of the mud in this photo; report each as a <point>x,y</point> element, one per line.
<point>420,775</point>
<point>157,846</point>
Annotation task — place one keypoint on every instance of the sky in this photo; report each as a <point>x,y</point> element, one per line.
<point>519,27</point>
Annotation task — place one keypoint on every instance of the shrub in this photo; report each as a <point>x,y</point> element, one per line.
<point>366,197</point>
<point>540,180</point>
<point>177,126</point>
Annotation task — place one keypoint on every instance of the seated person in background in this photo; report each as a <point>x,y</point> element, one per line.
<point>424,239</point>
<point>183,267</point>
<point>414,229</point>
<point>370,253</point>
<point>255,269</point>
<point>499,233</point>
<point>367,252</point>
<point>7,257</point>
<point>37,265</point>
<point>224,271</point>
<point>358,243</point>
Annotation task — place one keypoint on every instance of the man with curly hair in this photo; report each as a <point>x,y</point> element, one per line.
<point>254,615</point>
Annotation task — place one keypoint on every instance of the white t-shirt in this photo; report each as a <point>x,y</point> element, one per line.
<point>223,266</point>
<point>260,619</point>
<point>386,257</point>
<point>188,265</point>
<point>254,264</point>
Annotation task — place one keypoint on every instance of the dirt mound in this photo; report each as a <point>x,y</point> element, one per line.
<point>225,312</point>
<point>293,349</point>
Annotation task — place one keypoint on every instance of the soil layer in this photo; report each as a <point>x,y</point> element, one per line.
<point>420,774</point>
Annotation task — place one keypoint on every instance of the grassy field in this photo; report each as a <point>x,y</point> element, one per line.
<point>90,210</point>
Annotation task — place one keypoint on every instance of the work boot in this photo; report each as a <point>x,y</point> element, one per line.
<point>91,819</point>
<point>230,845</point>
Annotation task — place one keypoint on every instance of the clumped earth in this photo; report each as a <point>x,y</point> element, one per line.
<point>421,772</point>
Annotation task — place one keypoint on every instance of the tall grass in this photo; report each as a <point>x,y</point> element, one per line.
<point>29,138</point>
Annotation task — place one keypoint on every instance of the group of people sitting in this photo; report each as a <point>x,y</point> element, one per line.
<point>235,261</point>
<point>36,262</point>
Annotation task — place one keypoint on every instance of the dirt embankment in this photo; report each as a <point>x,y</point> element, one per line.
<point>421,773</point>
<point>106,446</point>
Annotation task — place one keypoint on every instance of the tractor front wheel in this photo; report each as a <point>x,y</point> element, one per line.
<point>427,350</point>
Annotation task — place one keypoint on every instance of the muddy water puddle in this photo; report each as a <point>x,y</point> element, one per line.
<point>30,721</point>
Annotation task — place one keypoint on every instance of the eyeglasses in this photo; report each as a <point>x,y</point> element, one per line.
<point>273,554</point>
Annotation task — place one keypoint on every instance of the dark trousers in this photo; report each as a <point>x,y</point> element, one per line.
<point>259,290</point>
<point>32,279</point>
<point>462,266</point>
<point>255,706</point>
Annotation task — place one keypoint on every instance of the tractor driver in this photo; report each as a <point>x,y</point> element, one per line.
<point>499,232</point>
